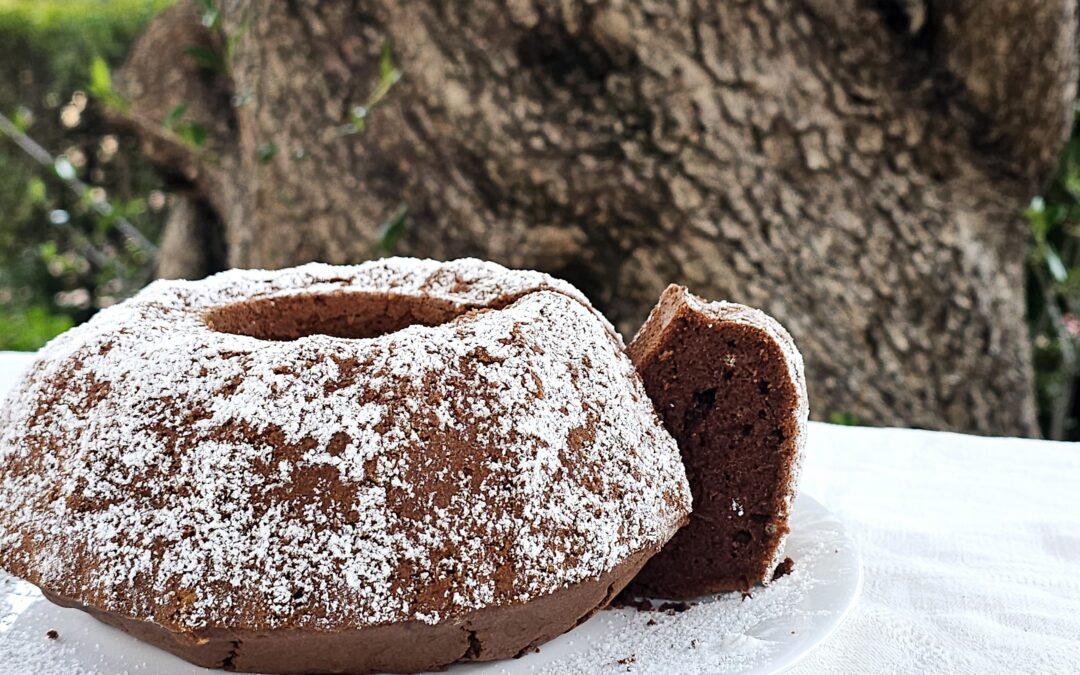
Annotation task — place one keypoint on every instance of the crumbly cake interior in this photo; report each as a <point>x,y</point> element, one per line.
<point>725,391</point>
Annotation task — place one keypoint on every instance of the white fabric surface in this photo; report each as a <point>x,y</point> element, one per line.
<point>971,548</point>
<point>971,551</point>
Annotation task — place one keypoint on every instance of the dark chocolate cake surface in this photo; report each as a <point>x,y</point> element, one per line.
<point>728,382</point>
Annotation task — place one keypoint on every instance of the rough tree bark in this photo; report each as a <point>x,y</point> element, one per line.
<point>855,167</point>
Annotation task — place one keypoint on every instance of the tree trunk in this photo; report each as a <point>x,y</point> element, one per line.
<point>857,168</point>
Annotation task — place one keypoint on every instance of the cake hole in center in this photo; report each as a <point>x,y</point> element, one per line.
<point>344,315</point>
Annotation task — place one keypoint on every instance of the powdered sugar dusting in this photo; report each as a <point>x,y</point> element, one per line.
<point>156,468</point>
<point>728,633</point>
<point>724,633</point>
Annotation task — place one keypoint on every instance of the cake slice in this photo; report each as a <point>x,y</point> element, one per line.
<point>728,383</point>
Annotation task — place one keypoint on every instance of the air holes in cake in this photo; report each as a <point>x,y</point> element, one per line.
<point>743,537</point>
<point>344,315</point>
<point>700,406</point>
<point>704,401</point>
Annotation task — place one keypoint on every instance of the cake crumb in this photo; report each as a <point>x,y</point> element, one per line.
<point>640,604</point>
<point>783,569</point>
<point>52,635</point>
<point>646,605</point>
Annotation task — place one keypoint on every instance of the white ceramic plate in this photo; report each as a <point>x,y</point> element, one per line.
<point>765,633</point>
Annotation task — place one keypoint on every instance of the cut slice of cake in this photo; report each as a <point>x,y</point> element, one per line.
<point>728,383</point>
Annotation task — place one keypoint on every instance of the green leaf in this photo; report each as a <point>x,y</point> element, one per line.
<point>358,118</point>
<point>209,14</point>
<point>1071,182</point>
<point>101,85</point>
<point>1036,216</point>
<point>191,133</point>
<point>387,69</point>
<point>1056,267</point>
<point>843,418</point>
<point>265,152</point>
<point>23,118</point>
<point>131,208</point>
<point>100,77</point>
<point>48,250</point>
<point>196,135</point>
<point>206,58</point>
<point>390,232</point>
<point>172,120</point>
<point>389,75</point>
<point>35,190</point>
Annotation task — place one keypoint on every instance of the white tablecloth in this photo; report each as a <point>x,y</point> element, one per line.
<point>971,548</point>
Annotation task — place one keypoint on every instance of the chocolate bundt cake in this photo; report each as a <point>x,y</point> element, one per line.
<point>392,466</point>
<point>728,382</point>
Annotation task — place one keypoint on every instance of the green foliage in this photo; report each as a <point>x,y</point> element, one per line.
<point>175,116</point>
<point>388,72</point>
<point>31,327</point>
<point>390,231</point>
<point>265,152</point>
<point>191,133</point>
<point>1053,296</point>
<point>211,17</point>
<point>843,418</point>
<point>389,75</point>
<point>71,33</point>
<point>206,58</point>
<point>61,254</point>
<point>101,85</point>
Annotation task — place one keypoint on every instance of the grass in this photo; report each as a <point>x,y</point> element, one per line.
<point>79,30</point>
<point>30,328</point>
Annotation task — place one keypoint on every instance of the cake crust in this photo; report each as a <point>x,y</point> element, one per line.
<point>728,382</point>
<point>325,453</point>
<point>479,635</point>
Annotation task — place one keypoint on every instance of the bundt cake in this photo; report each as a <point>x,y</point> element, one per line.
<point>392,466</point>
<point>728,382</point>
